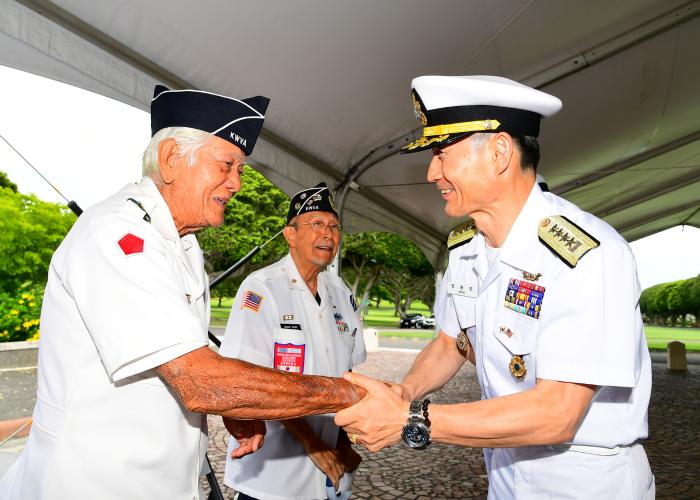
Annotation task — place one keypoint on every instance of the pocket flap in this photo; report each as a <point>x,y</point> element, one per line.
<point>516,332</point>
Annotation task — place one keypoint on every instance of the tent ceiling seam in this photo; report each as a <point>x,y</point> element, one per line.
<point>587,58</point>
<point>659,215</point>
<point>652,194</point>
<point>626,164</point>
<point>83,30</point>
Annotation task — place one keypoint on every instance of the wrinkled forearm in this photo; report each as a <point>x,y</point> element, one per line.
<point>208,383</point>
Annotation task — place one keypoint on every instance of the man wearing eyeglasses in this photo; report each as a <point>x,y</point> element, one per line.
<point>296,317</point>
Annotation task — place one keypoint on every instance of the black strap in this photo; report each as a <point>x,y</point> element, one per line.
<point>146,217</point>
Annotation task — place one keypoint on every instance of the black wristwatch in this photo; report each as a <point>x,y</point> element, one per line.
<point>416,432</point>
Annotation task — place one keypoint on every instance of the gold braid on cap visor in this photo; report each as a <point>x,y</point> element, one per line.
<point>456,128</point>
<point>439,133</point>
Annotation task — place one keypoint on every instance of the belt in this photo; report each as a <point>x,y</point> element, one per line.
<point>593,450</point>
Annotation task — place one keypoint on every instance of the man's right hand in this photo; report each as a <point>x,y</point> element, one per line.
<point>250,435</point>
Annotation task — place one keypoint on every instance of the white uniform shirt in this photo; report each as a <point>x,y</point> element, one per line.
<point>123,297</point>
<point>276,322</point>
<point>589,331</point>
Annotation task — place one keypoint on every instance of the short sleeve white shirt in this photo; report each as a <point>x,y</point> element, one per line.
<point>589,330</point>
<point>123,297</point>
<point>276,322</point>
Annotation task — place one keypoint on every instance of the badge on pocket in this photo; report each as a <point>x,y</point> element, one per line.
<point>289,357</point>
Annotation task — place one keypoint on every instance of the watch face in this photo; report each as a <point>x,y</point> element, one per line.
<point>416,436</point>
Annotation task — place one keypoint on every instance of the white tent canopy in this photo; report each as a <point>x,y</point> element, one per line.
<point>626,147</point>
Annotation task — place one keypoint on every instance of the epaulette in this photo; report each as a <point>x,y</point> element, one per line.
<point>565,239</point>
<point>461,235</point>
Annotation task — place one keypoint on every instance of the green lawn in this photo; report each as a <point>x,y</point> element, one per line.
<point>384,314</point>
<point>658,337</point>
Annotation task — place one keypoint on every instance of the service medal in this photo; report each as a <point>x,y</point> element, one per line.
<point>517,367</point>
<point>462,341</point>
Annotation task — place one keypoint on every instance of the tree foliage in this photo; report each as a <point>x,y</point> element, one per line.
<point>667,303</point>
<point>253,216</point>
<point>30,231</point>
<point>5,182</point>
<point>387,259</point>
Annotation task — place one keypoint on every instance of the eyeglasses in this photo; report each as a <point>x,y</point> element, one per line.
<point>319,227</point>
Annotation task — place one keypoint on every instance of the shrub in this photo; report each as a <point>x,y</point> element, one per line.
<point>19,313</point>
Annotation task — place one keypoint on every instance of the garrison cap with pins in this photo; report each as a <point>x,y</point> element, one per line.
<point>453,107</point>
<point>237,121</point>
<point>315,199</point>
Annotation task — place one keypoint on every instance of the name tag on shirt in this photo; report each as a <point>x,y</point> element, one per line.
<point>461,289</point>
<point>290,326</point>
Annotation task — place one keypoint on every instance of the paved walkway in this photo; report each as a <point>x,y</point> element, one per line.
<point>444,471</point>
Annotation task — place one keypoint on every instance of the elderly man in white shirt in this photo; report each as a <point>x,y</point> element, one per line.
<point>126,376</point>
<point>296,316</point>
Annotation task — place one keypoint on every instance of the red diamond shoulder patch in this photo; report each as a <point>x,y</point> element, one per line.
<point>130,244</point>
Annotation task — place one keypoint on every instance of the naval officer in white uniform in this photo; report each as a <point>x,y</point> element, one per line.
<point>296,316</point>
<point>126,376</point>
<point>541,296</point>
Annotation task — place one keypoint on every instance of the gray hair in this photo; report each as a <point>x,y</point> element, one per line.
<point>188,141</point>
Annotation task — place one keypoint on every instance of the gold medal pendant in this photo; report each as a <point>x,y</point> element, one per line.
<point>517,367</point>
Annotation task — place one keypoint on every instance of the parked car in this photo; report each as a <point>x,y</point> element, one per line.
<point>412,320</point>
<point>427,323</point>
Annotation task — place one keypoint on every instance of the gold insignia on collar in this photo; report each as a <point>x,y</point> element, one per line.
<point>531,276</point>
<point>517,367</point>
<point>565,239</point>
<point>461,235</point>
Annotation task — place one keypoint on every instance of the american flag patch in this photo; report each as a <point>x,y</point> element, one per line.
<point>252,301</point>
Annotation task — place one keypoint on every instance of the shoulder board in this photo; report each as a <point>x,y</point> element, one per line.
<point>565,239</point>
<point>461,235</point>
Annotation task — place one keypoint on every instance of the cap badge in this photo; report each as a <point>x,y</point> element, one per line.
<point>297,206</point>
<point>332,203</point>
<point>420,115</point>
<point>517,367</point>
<point>302,196</point>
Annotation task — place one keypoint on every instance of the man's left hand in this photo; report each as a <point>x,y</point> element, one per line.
<point>250,435</point>
<point>377,420</point>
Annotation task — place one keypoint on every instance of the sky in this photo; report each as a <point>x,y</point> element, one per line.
<point>89,146</point>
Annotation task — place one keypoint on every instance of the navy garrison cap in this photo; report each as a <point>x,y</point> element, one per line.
<point>453,107</point>
<point>237,121</point>
<point>315,199</point>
